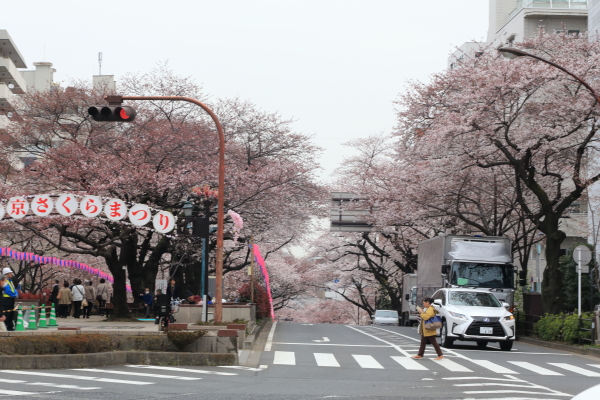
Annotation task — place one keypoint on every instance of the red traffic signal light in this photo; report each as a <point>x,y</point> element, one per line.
<point>112,113</point>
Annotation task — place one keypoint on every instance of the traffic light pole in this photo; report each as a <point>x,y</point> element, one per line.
<point>218,316</point>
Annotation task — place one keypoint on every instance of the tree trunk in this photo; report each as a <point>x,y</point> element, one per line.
<point>552,283</point>
<point>119,291</point>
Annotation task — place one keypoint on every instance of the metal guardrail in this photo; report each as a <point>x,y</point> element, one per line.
<point>524,324</point>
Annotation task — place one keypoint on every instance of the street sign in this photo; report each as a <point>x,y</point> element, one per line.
<point>584,254</point>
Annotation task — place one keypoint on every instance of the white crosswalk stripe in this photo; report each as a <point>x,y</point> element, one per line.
<point>534,368</point>
<point>367,361</point>
<point>16,393</point>
<point>108,371</point>
<point>285,358</point>
<point>409,363</point>
<point>494,367</point>
<point>451,365</point>
<point>177,369</point>
<point>77,377</point>
<point>326,360</point>
<point>577,370</point>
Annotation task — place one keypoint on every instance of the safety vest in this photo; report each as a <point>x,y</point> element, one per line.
<point>11,289</point>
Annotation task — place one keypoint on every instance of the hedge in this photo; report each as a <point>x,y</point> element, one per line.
<point>562,327</point>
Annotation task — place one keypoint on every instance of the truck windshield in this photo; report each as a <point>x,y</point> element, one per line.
<point>482,275</point>
<point>386,314</point>
<point>473,299</point>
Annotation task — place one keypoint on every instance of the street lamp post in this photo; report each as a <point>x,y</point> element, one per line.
<point>218,316</point>
<point>512,53</point>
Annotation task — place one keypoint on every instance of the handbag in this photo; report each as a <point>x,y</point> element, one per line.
<point>433,323</point>
<point>84,303</point>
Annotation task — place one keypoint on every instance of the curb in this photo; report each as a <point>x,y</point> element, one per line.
<point>563,347</point>
<point>251,338</point>
<point>65,361</point>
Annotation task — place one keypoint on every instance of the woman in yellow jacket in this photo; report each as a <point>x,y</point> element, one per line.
<point>426,334</point>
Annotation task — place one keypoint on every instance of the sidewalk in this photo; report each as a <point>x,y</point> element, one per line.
<point>95,324</point>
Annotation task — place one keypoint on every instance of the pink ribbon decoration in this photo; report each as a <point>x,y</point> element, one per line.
<point>263,269</point>
<point>15,255</point>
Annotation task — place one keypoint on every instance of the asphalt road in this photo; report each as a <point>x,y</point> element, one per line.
<point>303,361</point>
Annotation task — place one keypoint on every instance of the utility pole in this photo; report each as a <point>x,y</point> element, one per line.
<point>251,269</point>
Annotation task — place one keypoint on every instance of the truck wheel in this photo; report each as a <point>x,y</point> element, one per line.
<point>446,341</point>
<point>482,344</point>
<point>506,346</point>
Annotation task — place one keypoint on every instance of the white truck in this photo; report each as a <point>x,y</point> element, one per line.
<point>478,262</point>
<point>409,300</point>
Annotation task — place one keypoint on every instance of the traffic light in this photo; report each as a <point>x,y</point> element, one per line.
<point>522,278</point>
<point>112,113</point>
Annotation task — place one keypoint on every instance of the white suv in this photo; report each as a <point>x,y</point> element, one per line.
<point>474,315</point>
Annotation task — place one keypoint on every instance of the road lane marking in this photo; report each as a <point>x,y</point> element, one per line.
<point>17,393</point>
<point>244,368</point>
<point>270,337</point>
<point>331,344</point>
<point>325,339</point>
<point>194,371</point>
<point>535,368</point>
<point>382,340</point>
<point>326,360</point>
<point>285,358</point>
<point>409,363</point>
<point>480,378</point>
<point>367,361</point>
<point>105,371</point>
<point>78,377</point>
<point>494,367</point>
<point>451,365</point>
<point>63,386</point>
<point>514,391</point>
<point>577,370</point>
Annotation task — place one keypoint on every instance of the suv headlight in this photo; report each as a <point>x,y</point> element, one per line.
<point>509,317</point>
<point>457,315</point>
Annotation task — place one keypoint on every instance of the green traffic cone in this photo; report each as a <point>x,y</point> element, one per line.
<point>20,327</point>
<point>52,321</point>
<point>32,325</point>
<point>42,323</point>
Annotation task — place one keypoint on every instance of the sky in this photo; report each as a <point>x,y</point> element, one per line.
<point>335,66</point>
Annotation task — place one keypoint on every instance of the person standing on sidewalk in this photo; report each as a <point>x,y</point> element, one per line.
<point>64,300</point>
<point>78,295</point>
<point>2,316</point>
<point>102,295</point>
<point>8,298</point>
<point>90,296</point>
<point>54,295</point>
<point>426,334</point>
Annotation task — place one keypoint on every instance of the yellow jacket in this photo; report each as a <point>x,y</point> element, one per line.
<point>429,313</point>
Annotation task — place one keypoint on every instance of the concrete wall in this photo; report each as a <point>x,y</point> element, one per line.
<point>190,314</point>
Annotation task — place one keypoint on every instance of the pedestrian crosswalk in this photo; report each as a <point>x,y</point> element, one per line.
<point>22,383</point>
<point>454,364</point>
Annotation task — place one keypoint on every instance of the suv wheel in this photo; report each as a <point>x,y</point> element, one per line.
<point>446,341</point>
<point>506,346</point>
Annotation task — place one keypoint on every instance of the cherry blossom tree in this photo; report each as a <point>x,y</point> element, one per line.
<point>529,119</point>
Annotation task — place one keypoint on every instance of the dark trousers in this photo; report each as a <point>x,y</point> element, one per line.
<point>434,343</point>
<point>102,304</point>
<point>87,310</point>
<point>63,310</point>
<point>77,308</point>
<point>9,304</point>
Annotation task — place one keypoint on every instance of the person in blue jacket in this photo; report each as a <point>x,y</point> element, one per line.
<point>147,300</point>
<point>9,294</point>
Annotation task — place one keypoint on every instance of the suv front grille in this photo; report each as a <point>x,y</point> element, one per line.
<point>473,329</point>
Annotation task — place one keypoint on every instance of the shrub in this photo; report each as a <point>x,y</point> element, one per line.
<point>562,327</point>
<point>55,344</point>
<point>182,338</point>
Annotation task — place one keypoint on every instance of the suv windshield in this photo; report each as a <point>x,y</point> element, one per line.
<point>482,275</point>
<point>386,314</point>
<point>473,299</point>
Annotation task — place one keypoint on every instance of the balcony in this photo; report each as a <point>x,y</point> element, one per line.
<point>549,4</point>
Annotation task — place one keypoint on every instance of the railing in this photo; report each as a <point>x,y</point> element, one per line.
<point>557,4</point>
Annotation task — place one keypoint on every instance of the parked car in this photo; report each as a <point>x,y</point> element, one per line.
<point>385,317</point>
<point>474,315</point>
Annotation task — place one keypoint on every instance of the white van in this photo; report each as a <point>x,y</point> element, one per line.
<point>386,317</point>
